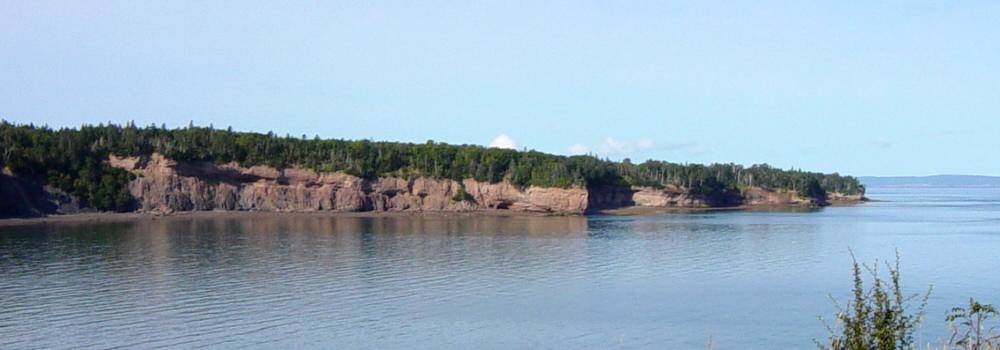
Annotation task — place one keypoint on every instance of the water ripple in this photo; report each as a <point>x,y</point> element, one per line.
<point>412,282</point>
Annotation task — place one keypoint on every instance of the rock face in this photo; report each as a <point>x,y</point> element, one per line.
<point>667,197</point>
<point>21,197</point>
<point>609,197</point>
<point>759,196</point>
<point>164,186</point>
<point>834,197</point>
<point>676,197</point>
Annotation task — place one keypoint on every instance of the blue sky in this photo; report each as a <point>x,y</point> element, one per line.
<point>860,87</point>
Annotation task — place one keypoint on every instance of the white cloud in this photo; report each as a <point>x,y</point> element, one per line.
<point>882,142</point>
<point>644,143</point>
<point>623,148</point>
<point>503,141</point>
<point>614,148</point>
<point>611,145</point>
<point>577,148</point>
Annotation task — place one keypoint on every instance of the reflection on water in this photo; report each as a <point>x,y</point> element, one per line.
<point>746,279</point>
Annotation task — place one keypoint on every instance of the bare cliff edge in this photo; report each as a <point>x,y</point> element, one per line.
<point>162,185</point>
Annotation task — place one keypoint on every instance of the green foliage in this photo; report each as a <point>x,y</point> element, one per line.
<point>723,179</point>
<point>71,161</point>
<point>810,188</point>
<point>461,195</point>
<point>880,318</point>
<point>877,318</point>
<point>971,327</point>
<point>74,160</point>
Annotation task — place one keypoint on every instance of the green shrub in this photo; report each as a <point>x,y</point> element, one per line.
<point>461,195</point>
<point>878,317</point>
<point>971,329</point>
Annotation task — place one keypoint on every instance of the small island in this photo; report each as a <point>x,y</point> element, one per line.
<point>125,168</point>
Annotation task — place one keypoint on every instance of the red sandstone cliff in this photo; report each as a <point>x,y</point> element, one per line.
<point>163,185</point>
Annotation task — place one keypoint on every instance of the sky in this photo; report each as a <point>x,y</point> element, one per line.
<point>857,87</point>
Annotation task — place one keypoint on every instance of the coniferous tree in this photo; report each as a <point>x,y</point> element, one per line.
<point>75,160</point>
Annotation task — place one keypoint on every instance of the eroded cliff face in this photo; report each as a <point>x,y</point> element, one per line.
<point>759,196</point>
<point>676,197</point>
<point>164,186</point>
<point>669,196</point>
<point>614,197</point>
<point>835,197</point>
<point>20,197</point>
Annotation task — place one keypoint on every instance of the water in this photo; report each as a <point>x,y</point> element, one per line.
<point>737,279</point>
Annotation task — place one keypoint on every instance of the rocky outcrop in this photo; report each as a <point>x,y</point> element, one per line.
<point>676,197</point>
<point>613,197</point>
<point>835,197</point>
<point>761,197</point>
<point>20,197</point>
<point>164,185</point>
<point>669,196</point>
<point>608,197</point>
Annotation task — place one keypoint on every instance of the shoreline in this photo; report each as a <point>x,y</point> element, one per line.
<point>107,217</point>
<point>798,207</point>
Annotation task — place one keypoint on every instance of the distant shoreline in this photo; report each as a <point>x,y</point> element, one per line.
<point>116,168</point>
<point>933,181</point>
<point>102,217</point>
<point>645,210</point>
<point>105,217</point>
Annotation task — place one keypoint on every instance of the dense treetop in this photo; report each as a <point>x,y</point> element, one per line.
<point>74,160</point>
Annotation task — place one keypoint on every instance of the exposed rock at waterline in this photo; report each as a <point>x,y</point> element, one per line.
<point>164,185</point>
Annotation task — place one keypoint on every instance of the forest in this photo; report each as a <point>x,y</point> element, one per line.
<point>74,160</point>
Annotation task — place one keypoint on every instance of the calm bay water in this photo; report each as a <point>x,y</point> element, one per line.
<point>741,279</point>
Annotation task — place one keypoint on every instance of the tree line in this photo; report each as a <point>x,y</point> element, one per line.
<point>73,159</point>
